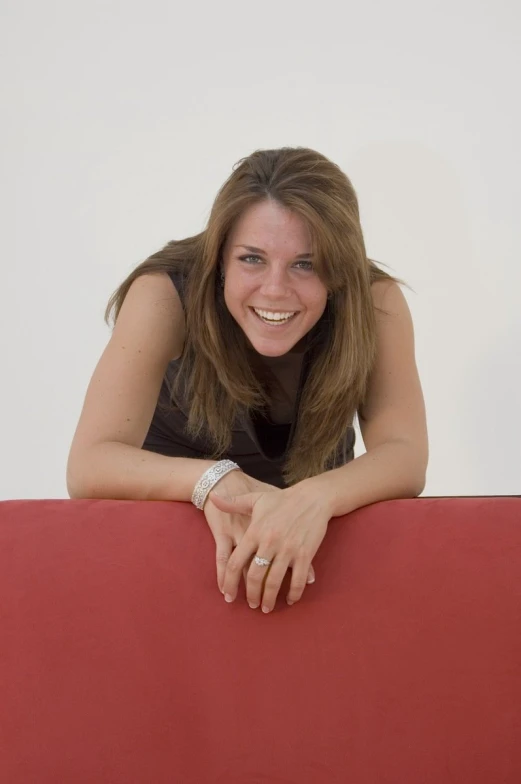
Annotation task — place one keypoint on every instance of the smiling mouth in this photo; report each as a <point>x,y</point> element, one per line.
<point>274,318</point>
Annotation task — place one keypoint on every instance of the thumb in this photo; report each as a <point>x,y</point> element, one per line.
<point>224,548</point>
<point>242,504</point>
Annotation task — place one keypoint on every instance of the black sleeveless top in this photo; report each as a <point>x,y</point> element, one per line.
<point>258,446</point>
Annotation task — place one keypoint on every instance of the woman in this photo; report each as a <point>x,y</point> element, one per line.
<point>238,360</point>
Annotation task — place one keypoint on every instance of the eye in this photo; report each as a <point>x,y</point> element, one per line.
<point>304,264</point>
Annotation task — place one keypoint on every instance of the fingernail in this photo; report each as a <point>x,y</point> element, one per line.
<point>265,609</point>
<point>289,601</point>
<point>310,580</point>
<point>228,598</point>
<point>253,605</point>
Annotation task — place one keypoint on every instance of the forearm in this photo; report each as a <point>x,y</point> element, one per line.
<point>395,469</point>
<point>116,470</point>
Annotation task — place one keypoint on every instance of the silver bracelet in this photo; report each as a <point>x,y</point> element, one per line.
<point>209,479</point>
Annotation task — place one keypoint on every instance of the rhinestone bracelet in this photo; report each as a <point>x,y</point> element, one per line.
<point>209,479</point>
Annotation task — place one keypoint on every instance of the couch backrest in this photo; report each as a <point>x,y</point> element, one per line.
<point>121,662</point>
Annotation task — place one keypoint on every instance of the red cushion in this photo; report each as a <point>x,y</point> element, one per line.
<point>120,661</point>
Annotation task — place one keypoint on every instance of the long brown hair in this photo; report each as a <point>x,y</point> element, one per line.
<point>216,370</point>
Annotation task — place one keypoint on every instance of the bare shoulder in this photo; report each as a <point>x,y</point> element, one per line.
<point>393,315</point>
<point>152,306</point>
<point>388,297</point>
<point>124,388</point>
<point>394,407</point>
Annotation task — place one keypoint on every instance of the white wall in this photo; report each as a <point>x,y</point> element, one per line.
<point>120,120</point>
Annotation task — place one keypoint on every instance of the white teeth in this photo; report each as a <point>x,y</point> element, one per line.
<point>264,314</point>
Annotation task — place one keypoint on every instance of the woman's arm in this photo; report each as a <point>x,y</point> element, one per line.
<point>105,458</point>
<point>117,470</point>
<point>392,421</point>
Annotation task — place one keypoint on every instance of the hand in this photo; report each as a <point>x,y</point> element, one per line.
<point>228,528</point>
<point>287,527</point>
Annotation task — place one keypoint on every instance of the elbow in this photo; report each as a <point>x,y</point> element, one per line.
<point>75,489</point>
<point>78,487</point>
<point>420,475</point>
<point>75,493</point>
<point>418,486</point>
<point>76,480</point>
<point>412,487</point>
<point>72,486</point>
<point>416,463</point>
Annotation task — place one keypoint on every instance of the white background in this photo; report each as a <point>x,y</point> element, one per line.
<point>120,121</point>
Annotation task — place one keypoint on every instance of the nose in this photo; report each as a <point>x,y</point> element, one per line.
<point>275,282</point>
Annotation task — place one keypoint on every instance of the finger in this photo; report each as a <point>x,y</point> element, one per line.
<point>243,504</point>
<point>245,572</point>
<point>255,582</point>
<point>224,548</point>
<point>299,573</point>
<point>264,588</point>
<point>311,575</point>
<point>237,562</point>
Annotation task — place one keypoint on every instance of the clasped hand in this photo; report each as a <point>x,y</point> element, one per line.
<point>286,527</point>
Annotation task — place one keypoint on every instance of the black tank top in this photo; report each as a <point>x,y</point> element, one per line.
<point>258,446</point>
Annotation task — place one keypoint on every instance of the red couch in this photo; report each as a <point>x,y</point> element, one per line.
<point>121,663</point>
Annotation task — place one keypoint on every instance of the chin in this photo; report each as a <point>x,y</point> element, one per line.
<point>270,348</point>
<point>266,341</point>
<point>274,352</point>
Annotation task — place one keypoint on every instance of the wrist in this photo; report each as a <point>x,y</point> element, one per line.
<point>238,483</point>
<point>315,490</point>
<point>210,478</point>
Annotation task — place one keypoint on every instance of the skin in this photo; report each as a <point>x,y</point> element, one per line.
<point>288,525</point>
<point>277,280</point>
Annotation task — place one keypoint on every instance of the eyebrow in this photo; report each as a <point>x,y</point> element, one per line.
<point>253,249</point>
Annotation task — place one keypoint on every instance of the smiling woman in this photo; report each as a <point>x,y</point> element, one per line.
<point>238,361</point>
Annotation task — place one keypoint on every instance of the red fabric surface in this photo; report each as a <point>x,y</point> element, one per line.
<point>121,662</point>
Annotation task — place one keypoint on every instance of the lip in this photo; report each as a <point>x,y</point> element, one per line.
<point>279,325</point>
<point>275,310</point>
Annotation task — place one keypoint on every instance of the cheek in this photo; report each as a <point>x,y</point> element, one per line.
<point>236,295</point>
<point>317,300</point>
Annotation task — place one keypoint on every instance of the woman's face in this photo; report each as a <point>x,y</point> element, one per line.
<point>271,288</point>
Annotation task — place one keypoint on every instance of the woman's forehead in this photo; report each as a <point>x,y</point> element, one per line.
<point>268,228</point>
